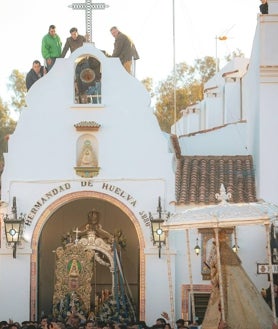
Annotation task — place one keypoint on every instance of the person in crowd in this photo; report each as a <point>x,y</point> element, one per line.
<point>43,322</point>
<point>124,48</point>
<point>73,42</point>
<point>180,323</point>
<point>25,324</point>
<point>266,293</point>
<point>51,47</point>
<point>74,321</point>
<point>120,326</point>
<point>142,324</point>
<point>89,324</point>
<point>37,71</point>
<point>264,7</point>
<point>4,324</point>
<point>30,326</point>
<point>14,325</point>
<point>159,323</point>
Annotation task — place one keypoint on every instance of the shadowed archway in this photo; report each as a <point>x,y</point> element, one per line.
<point>66,214</point>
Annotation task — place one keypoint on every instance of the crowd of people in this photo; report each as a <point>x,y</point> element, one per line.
<point>75,322</point>
<point>51,49</point>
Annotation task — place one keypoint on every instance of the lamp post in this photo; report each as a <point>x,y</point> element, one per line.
<point>13,227</point>
<point>174,69</point>
<point>220,38</point>
<point>158,234</point>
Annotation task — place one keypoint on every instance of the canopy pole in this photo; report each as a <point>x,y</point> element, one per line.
<point>267,229</point>
<point>170,281</point>
<point>219,274</point>
<point>190,277</point>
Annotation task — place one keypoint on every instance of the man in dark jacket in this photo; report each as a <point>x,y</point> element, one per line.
<point>124,48</point>
<point>264,7</point>
<point>73,42</point>
<point>37,71</point>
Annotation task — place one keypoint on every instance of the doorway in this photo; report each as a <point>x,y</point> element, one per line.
<point>67,218</point>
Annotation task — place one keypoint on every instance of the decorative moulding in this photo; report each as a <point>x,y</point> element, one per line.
<point>87,126</point>
<point>87,171</point>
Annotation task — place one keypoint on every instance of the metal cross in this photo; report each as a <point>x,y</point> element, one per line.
<point>76,235</point>
<point>88,6</point>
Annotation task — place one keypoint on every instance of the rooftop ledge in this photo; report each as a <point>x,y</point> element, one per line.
<point>87,106</point>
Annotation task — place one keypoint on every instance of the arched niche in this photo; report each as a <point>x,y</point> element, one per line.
<point>87,156</point>
<point>87,80</point>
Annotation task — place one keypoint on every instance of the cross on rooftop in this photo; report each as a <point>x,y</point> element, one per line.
<point>88,6</point>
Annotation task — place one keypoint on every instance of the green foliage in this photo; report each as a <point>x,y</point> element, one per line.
<point>235,53</point>
<point>18,86</point>
<point>185,86</point>
<point>7,126</point>
<point>148,82</point>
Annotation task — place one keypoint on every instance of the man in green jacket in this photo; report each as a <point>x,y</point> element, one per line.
<point>51,47</point>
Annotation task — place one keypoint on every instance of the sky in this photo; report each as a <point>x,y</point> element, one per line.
<point>190,31</point>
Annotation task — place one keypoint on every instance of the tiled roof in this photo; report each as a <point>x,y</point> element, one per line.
<point>176,145</point>
<point>198,179</point>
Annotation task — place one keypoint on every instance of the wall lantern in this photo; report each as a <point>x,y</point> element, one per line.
<point>235,248</point>
<point>13,227</point>
<point>197,248</point>
<point>158,234</point>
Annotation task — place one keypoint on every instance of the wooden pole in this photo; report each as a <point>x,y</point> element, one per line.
<point>190,276</point>
<point>219,274</point>
<point>170,282</point>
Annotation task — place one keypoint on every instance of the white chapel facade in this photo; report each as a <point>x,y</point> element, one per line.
<point>104,150</point>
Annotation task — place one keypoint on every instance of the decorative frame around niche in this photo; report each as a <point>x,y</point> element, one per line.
<point>87,156</point>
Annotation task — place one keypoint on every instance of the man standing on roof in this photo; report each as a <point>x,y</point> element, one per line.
<point>37,71</point>
<point>51,47</point>
<point>73,42</point>
<point>264,7</point>
<point>124,48</point>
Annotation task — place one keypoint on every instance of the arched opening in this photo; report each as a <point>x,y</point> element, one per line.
<point>87,80</point>
<point>68,213</point>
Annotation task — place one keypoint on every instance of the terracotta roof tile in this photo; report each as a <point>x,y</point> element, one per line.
<point>176,145</point>
<point>198,179</point>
